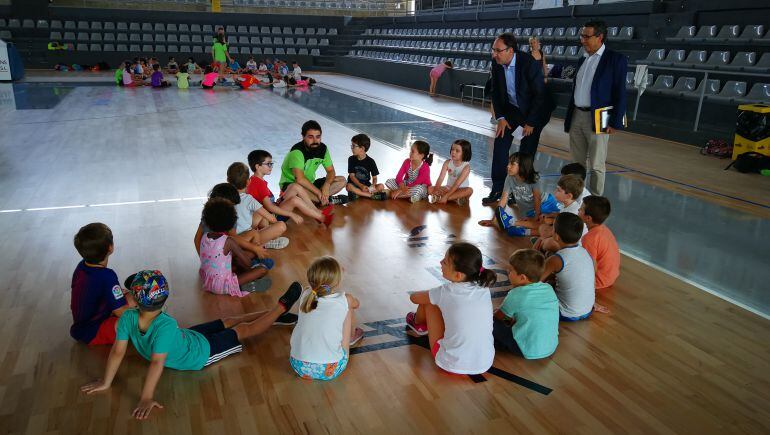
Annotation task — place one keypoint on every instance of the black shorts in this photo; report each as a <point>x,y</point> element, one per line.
<point>222,341</point>
<point>366,183</point>
<point>504,337</point>
<point>319,182</point>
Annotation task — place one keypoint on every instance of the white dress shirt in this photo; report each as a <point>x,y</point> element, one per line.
<point>585,77</point>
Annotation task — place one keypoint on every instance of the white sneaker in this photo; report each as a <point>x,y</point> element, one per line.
<point>277,243</point>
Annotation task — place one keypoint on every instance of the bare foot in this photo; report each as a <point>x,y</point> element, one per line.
<point>601,309</point>
<point>487,223</point>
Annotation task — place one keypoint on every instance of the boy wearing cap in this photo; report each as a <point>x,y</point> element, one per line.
<point>97,299</point>
<point>159,339</point>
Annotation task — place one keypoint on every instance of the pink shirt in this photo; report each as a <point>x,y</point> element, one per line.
<point>438,70</point>
<point>209,79</point>
<point>423,176</point>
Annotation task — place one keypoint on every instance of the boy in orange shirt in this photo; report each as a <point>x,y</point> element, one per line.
<point>600,242</point>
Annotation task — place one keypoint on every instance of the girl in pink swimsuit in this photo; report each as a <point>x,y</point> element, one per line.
<point>435,73</point>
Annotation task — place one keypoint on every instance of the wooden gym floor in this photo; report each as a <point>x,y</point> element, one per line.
<point>670,358</point>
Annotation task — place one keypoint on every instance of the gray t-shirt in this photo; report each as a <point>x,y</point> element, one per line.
<point>523,193</point>
<point>247,207</point>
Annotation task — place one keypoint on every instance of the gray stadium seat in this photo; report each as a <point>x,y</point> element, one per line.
<point>82,36</point>
<point>184,28</point>
<point>718,59</point>
<point>332,31</point>
<point>147,48</point>
<point>742,60</point>
<point>662,83</point>
<point>231,29</point>
<point>245,50</point>
<point>135,48</point>
<point>574,53</point>
<point>243,40</point>
<point>6,35</point>
<point>280,50</point>
<point>292,50</point>
<point>96,37</point>
<point>231,40</point>
<point>287,31</point>
<point>121,47</point>
<point>712,88</point>
<point>275,30</point>
<point>109,25</point>
<point>83,25</point>
<point>160,38</point>
<point>656,55</point>
<point>696,59</point>
<point>160,48</point>
<point>208,39</point>
<point>324,42</point>
<point>267,50</point>
<point>56,24</point>
<point>135,27</point>
<point>82,47</point>
<point>626,33</point>
<point>134,37</point>
<point>683,85</point>
<point>759,93</point>
<point>705,33</point>
<point>183,38</point>
<point>278,40</point>
<point>675,58</point>
<point>173,49</point>
<point>303,51</point>
<point>728,33</point>
<point>171,28</point>
<point>315,52</point>
<point>751,32</point>
<point>122,37</point>
<point>207,28</point>
<point>147,37</point>
<point>69,36</point>
<point>254,40</point>
<point>109,37</point>
<point>122,26</point>
<point>55,36</point>
<point>731,91</point>
<point>207,49</point>
<point>185,49</point>
<point>558,34</point>
<point>146,27</point>
<point>762,65</point>
<point>108,47</point>
<point>571,34</point>
<point>159,27</point>
<point>266,40</point>
<point>69,25</point>
<point>28,24</point>
<point>301,41</point>
<point>197,49</point>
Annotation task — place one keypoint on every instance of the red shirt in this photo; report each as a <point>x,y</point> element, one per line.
<point>257,188</point>
<point>248,80</point>
<point>603,248</point>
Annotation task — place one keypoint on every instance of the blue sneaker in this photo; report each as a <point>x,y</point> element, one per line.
<point>503,218</point>
<point>267,263</point>
<point>515,231</point>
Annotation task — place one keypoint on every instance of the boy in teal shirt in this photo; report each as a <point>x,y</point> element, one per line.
<point>158,338</point>
<point>527,322</point>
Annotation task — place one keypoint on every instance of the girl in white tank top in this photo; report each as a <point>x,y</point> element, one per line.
<point>457,171</point>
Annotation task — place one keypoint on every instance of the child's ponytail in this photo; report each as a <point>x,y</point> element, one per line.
<point>424,149</point>
<point>428,159</point>
<point>324,275</point>
<point>466,258</point>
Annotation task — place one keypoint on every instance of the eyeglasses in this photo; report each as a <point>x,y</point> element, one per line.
<point>500,50</point>
<point>584,36</point>
<point>268,164</point>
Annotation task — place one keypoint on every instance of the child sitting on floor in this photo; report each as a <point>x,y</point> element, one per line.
<point>362,171</point>
<point>456,169</point>
<point>157,337</point>
<point>226,269</point>
<point>413,179</point>
<point>325,331</point>
<point>568,188</point>
<point>580,171</point>
<point>253,220</point>
<point>457,316</point>
<point>574,270</point>
<point>527,322</point>
<point>295,197</point>
<point>172,67</point>
<point>209,78</point>
<point>600,242</point>
<point>156,79</point>
<point>523,183</point>
<point>97,299</point>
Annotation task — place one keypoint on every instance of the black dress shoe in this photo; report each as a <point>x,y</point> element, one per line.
<point>492,198</point>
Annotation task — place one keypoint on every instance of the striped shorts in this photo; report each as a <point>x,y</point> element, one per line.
<point>419,191</point>
<point>222,341</point>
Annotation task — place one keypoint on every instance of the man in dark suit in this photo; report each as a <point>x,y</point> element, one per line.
<point>600,82</point>
<point>518,98</point>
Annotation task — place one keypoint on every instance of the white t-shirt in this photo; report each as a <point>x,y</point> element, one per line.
<point>317,337</point>
<point>574,208</point>
<point>453,173</point>
<point>279,83</point>
<point>297,73</point>
<point>585,193</point>
<point>251,65</point>
<point>468,346</point>
<point>575,282</point>
<point>245,210</point>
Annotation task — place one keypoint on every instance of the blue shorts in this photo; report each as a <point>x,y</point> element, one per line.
<point>318,371</point>
<point>575,319</point>
<point>549,205</point>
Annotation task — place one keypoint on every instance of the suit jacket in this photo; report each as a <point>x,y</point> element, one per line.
<point>608,87</point>
<point>530,89</point>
